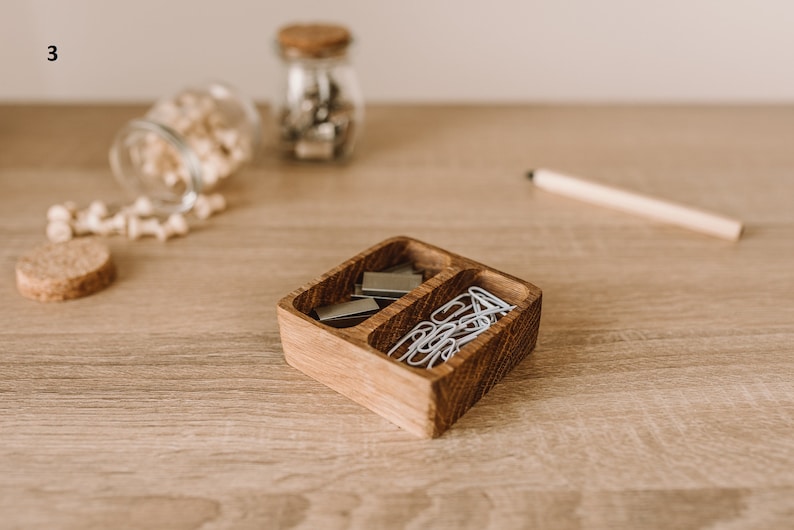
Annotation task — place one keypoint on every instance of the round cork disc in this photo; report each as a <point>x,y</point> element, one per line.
<point>315,40</point>
<point>63,271</point>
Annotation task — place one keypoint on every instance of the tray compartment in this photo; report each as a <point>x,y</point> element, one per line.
<point>512,292</point>
<point>338,284</point>
<point>480,364</point>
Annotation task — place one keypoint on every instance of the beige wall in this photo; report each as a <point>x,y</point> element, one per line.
<point>432,50</point>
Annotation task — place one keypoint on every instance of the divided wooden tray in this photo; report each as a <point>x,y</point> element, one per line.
<point>353,360</point>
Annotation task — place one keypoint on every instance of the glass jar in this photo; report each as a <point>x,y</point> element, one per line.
<point>319,109</point>
<point>185,145</point>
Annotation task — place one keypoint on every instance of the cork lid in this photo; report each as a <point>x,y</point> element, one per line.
<point>63,271</point>
<point>314,40</point>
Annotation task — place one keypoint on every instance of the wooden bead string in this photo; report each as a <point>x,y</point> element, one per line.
<point>65,221</point>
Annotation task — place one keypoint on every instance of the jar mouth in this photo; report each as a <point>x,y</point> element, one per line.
<point>136,158</point>
<point>222,91</point>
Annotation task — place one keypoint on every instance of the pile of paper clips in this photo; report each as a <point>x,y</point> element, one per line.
<point>451,326</point>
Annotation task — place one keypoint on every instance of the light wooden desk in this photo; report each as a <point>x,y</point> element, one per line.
<point>661,393</point>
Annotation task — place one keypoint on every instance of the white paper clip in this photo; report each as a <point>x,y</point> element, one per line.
<point>451,326</point>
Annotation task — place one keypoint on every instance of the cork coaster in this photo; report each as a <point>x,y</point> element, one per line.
<point>315,40</point>
<point>63,271</point>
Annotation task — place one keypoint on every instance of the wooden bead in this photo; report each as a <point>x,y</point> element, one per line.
<point>59,212</point>
<point>143,206</point>
<point>178,224</point>
<point>59,231</point>
<point>98,209</point>
<point>137,227</point>
<point>208,205</point>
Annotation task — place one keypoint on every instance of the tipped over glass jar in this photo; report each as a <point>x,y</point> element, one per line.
<point>185,145</point>
<point>319,110</point>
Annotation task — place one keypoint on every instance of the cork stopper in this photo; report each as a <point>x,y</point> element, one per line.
<point>314,40</point>
<point>63,271</point>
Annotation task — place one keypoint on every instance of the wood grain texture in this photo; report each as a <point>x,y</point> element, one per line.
<point>352,360</point>
<point>660,393</point>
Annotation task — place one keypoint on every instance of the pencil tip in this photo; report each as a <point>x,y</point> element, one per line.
<point>530,174</point>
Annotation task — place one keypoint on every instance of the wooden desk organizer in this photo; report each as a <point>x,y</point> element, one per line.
<point>353,360</point>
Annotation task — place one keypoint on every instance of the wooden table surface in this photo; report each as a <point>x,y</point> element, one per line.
<point>660,394</point>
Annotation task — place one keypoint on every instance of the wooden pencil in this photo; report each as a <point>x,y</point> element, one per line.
<point>627,201</point>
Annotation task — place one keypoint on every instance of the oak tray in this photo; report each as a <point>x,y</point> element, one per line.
<point>353,360</point>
